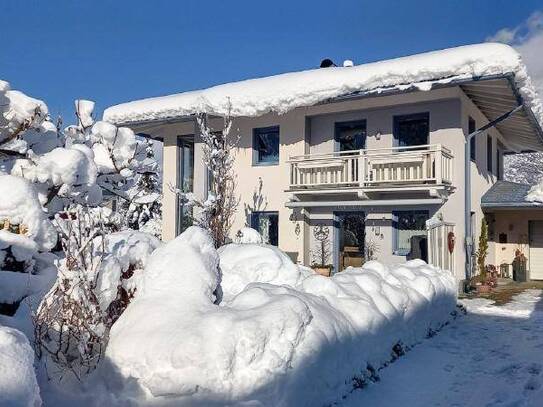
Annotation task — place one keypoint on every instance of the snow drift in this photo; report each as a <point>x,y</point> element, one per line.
<point>282,93</point>
<point>274,345</point>
<point>18,385</point>
<point>242,264</point>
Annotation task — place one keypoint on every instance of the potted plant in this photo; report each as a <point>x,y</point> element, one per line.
<point>482,282</point>
<point>322,252</point>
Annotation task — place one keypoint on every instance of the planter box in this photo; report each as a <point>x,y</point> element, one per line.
<point>323,271</point>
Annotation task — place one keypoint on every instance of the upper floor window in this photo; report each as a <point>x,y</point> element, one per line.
<point>412,130</point>
<point>499,160</point>
<point>266,146</point>
<point>472,126</point>
<point>267,224</point>
<point>489,153</point>
<point>350,135</point>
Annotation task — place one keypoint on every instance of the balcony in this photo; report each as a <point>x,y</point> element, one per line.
<point>380,170</point>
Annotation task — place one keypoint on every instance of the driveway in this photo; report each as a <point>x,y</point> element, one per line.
<point>493,356</point>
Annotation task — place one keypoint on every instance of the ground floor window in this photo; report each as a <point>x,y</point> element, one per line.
<point>267,224</point>
<point>410,233</point>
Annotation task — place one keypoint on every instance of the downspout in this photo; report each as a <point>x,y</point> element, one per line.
<point>467,184</point>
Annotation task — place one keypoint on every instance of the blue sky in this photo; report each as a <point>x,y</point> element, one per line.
<point>115,51</point>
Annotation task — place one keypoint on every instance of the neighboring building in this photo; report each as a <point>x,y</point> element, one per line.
<point>372,151</point>
<point>514,223</point>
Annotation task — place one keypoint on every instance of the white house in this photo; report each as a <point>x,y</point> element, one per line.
<point>372,152</point>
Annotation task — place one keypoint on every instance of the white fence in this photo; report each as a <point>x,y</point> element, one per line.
<point>439,234</point>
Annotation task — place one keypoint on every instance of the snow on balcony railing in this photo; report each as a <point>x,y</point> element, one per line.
<point>426,164</point>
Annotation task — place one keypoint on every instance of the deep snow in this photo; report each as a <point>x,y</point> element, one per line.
<point>18,385</point>
<point>279,345</point>
<point>492,357</point>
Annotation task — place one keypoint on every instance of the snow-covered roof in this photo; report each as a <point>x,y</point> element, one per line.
<point>281,93</point>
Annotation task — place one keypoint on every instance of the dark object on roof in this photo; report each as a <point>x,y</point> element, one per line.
<point>505,194</point>
<point>327,63</point>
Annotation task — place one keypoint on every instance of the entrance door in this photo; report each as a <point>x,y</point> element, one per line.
<point>536,249</point>
<point>350,247</point>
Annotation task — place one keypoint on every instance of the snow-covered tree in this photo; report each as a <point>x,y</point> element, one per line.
<point>217,211</point>
<point>143,209</point>
<point>62,174</point>
<point>74,165</point>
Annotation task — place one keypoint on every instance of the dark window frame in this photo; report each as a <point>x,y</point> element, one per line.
<point>472,126</point>
<point>183,140</point>
<point>337,128</point>
<point>258,131</point>
<point>396,235</point>
<point>413,116</point>
<point>489,153</point>
<point>499,160</point>
<point>255,216</point>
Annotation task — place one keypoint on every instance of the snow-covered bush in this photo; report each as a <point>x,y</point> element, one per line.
<point>269,344</point>
<point>25,232</point>
<point>18,385</point>
<point>125,256</point>
<point>248,235</point>
<point>75,165</point>
<point>20,206</point>
<point>243,264</point>
<point>69,326</point>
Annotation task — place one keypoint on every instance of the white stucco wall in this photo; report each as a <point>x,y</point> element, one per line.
<point>311,129</point>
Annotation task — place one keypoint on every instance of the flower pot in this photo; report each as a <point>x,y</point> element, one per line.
<point>323,271</point>
<point>483,289</point>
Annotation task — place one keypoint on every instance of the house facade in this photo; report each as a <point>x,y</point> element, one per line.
<point>367,171</point>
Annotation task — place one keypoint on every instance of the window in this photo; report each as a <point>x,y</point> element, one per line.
<point>185,179</point>
<point>350,135</point>
<point>266,146</point>
<point>499,160</point>
<point>489,153</point>
<point>267,224</point>
<point>410,232</point>
<point>472,126</point>
<point>412,130</point>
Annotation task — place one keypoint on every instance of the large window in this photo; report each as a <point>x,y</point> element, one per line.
<point>266,146</point>
<point>410,233</point>
<point>350,135</point>
<point>472,142</point>
<point>267,224</point>
<point>489,153</point>
<point>185,179</point>
<point>412,130</point>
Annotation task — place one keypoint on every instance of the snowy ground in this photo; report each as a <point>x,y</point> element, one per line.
<point>491,357</point>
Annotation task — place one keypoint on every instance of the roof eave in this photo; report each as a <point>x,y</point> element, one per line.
<point>378,93</point>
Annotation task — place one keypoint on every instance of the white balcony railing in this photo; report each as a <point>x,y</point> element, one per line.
<point>397,166</point>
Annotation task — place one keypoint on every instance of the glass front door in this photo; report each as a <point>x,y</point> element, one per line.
<point>185,180</point>
<point>351,239</point>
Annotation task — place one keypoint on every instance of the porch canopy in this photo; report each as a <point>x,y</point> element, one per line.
<point>508,195</point>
